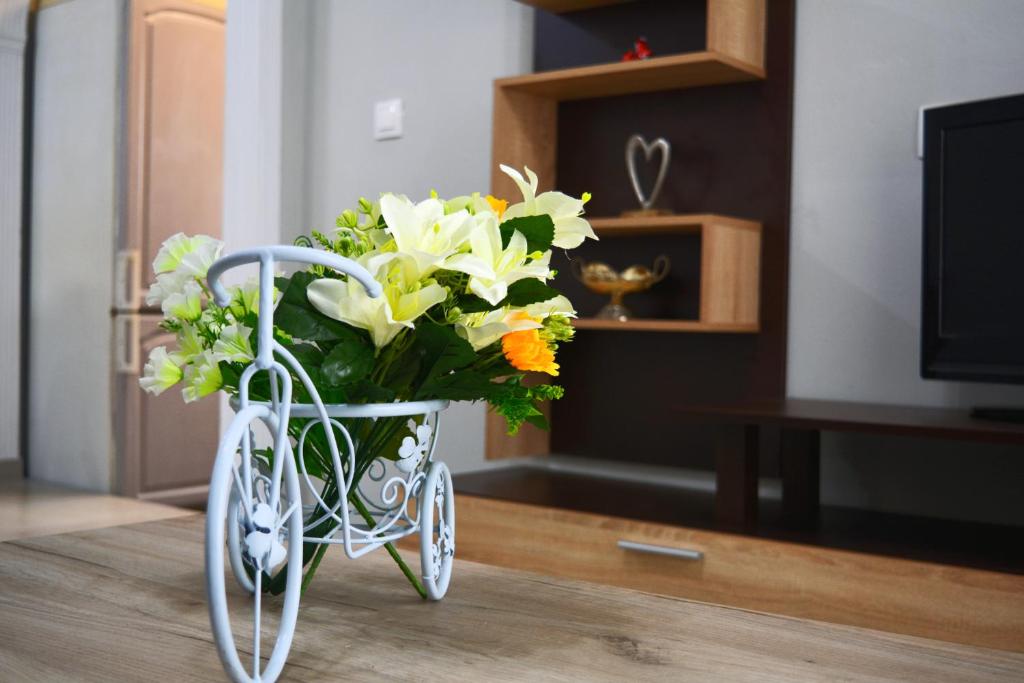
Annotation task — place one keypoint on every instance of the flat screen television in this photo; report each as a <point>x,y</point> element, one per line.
<point>973,277</point>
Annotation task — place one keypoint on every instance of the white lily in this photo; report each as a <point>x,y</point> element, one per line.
<point>405,298</point>
<point>202,378</point>
<point>162,371</point>
<point>570,228</point>
<point>173,252</point>
<point>473,203</point>
<point>483,329</point>
<point>186,304</point>
<point>492,268</point>
<point>233,344</point>
<point>558,305</point>
<point>422,231</point>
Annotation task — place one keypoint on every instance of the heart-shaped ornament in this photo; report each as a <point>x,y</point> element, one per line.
<point>637,142</point>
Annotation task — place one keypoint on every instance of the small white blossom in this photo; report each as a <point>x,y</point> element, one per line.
<point>186,304</point>
<point>202,378</point>
<point>162,371</point>
<point>233,344</point>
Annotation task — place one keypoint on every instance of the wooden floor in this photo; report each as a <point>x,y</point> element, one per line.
<point>29,508</point>
<point>128,604</point>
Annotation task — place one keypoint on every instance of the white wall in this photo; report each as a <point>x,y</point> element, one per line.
<point>74,219</point>
<point>862,70</point>
<point>440,57</point>
<point>13,16</point>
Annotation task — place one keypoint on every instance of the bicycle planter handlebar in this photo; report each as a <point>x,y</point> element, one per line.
<point>267,256</point>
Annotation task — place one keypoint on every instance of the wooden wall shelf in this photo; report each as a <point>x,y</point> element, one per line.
<point>678,223</point>
<point>526,107</point>
<point>656,325</point>
<point>730,271</point>
<point>624,78</point>
<point>561,6</point>
<point>526,132</point>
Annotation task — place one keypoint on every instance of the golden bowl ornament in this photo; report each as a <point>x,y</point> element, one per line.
<point>601,278</point>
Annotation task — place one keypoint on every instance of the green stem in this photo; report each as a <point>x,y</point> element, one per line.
<point>390,548</point>
<point>320,551</point>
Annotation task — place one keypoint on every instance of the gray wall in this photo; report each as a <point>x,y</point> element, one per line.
<point>440,57</point>
<point>74,219</point>
<point>862,70</point>
<point>13,29</point>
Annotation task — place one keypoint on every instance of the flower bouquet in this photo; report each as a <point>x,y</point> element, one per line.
<point>466,312</point>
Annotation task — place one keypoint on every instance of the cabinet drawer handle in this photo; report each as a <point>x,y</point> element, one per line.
<point>681,553</point>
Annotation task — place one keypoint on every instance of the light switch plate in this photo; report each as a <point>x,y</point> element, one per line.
<point>387,119</point>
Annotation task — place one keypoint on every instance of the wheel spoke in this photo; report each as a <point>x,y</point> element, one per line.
<point>256,624</point>
<point>241,496</point>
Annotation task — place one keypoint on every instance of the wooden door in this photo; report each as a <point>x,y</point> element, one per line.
<point>174,142</point>
<point>175,124</point>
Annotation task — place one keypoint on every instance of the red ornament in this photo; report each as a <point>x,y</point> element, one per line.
<point>641,50</point>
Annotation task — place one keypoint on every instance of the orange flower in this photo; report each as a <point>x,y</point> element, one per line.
<point>498,206</point>
<point>526,351</point>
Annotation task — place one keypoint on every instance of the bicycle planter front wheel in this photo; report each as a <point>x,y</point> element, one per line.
<point>259,540</point>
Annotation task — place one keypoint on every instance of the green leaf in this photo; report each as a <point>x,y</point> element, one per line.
<point>520,293</point>
<point>464,385</point>
<point>307,354</point>
<point>443,350</point>
<point>331,395</point>
<point>308,324</point>
<point>500,368</point>
<point>293,288</point>
<point>539,231</point>
<point>471,303</point>
<point>403,371</point>
<point>538,421</point>
<point>310,358</point>
<point>348,362</point>
<point>299,318</point>
<point>366,390</point>
<point>528,291</point>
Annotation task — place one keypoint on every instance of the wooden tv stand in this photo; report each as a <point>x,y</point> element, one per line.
<point>800,423</point>
<point>957,581</point>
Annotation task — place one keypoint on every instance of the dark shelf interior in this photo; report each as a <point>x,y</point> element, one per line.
<point>601,35</point>
<point>968,544</point>
<point>677,297</point>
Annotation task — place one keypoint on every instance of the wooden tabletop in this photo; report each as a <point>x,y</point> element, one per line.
<point>127,604</point>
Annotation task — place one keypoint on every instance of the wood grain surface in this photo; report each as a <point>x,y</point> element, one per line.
<point>127,604</point>
<point>958,604</point>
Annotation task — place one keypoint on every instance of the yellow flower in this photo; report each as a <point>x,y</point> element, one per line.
<point>526,351</point>
<point>498,206</point>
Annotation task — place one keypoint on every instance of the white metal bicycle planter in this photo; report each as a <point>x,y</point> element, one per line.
<point>256,514</point>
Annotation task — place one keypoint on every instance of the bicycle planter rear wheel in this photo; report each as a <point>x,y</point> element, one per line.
<point>271,528</point>
<point>437,530</point>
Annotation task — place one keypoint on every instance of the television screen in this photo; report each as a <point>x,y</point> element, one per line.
<point>973,292</point>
